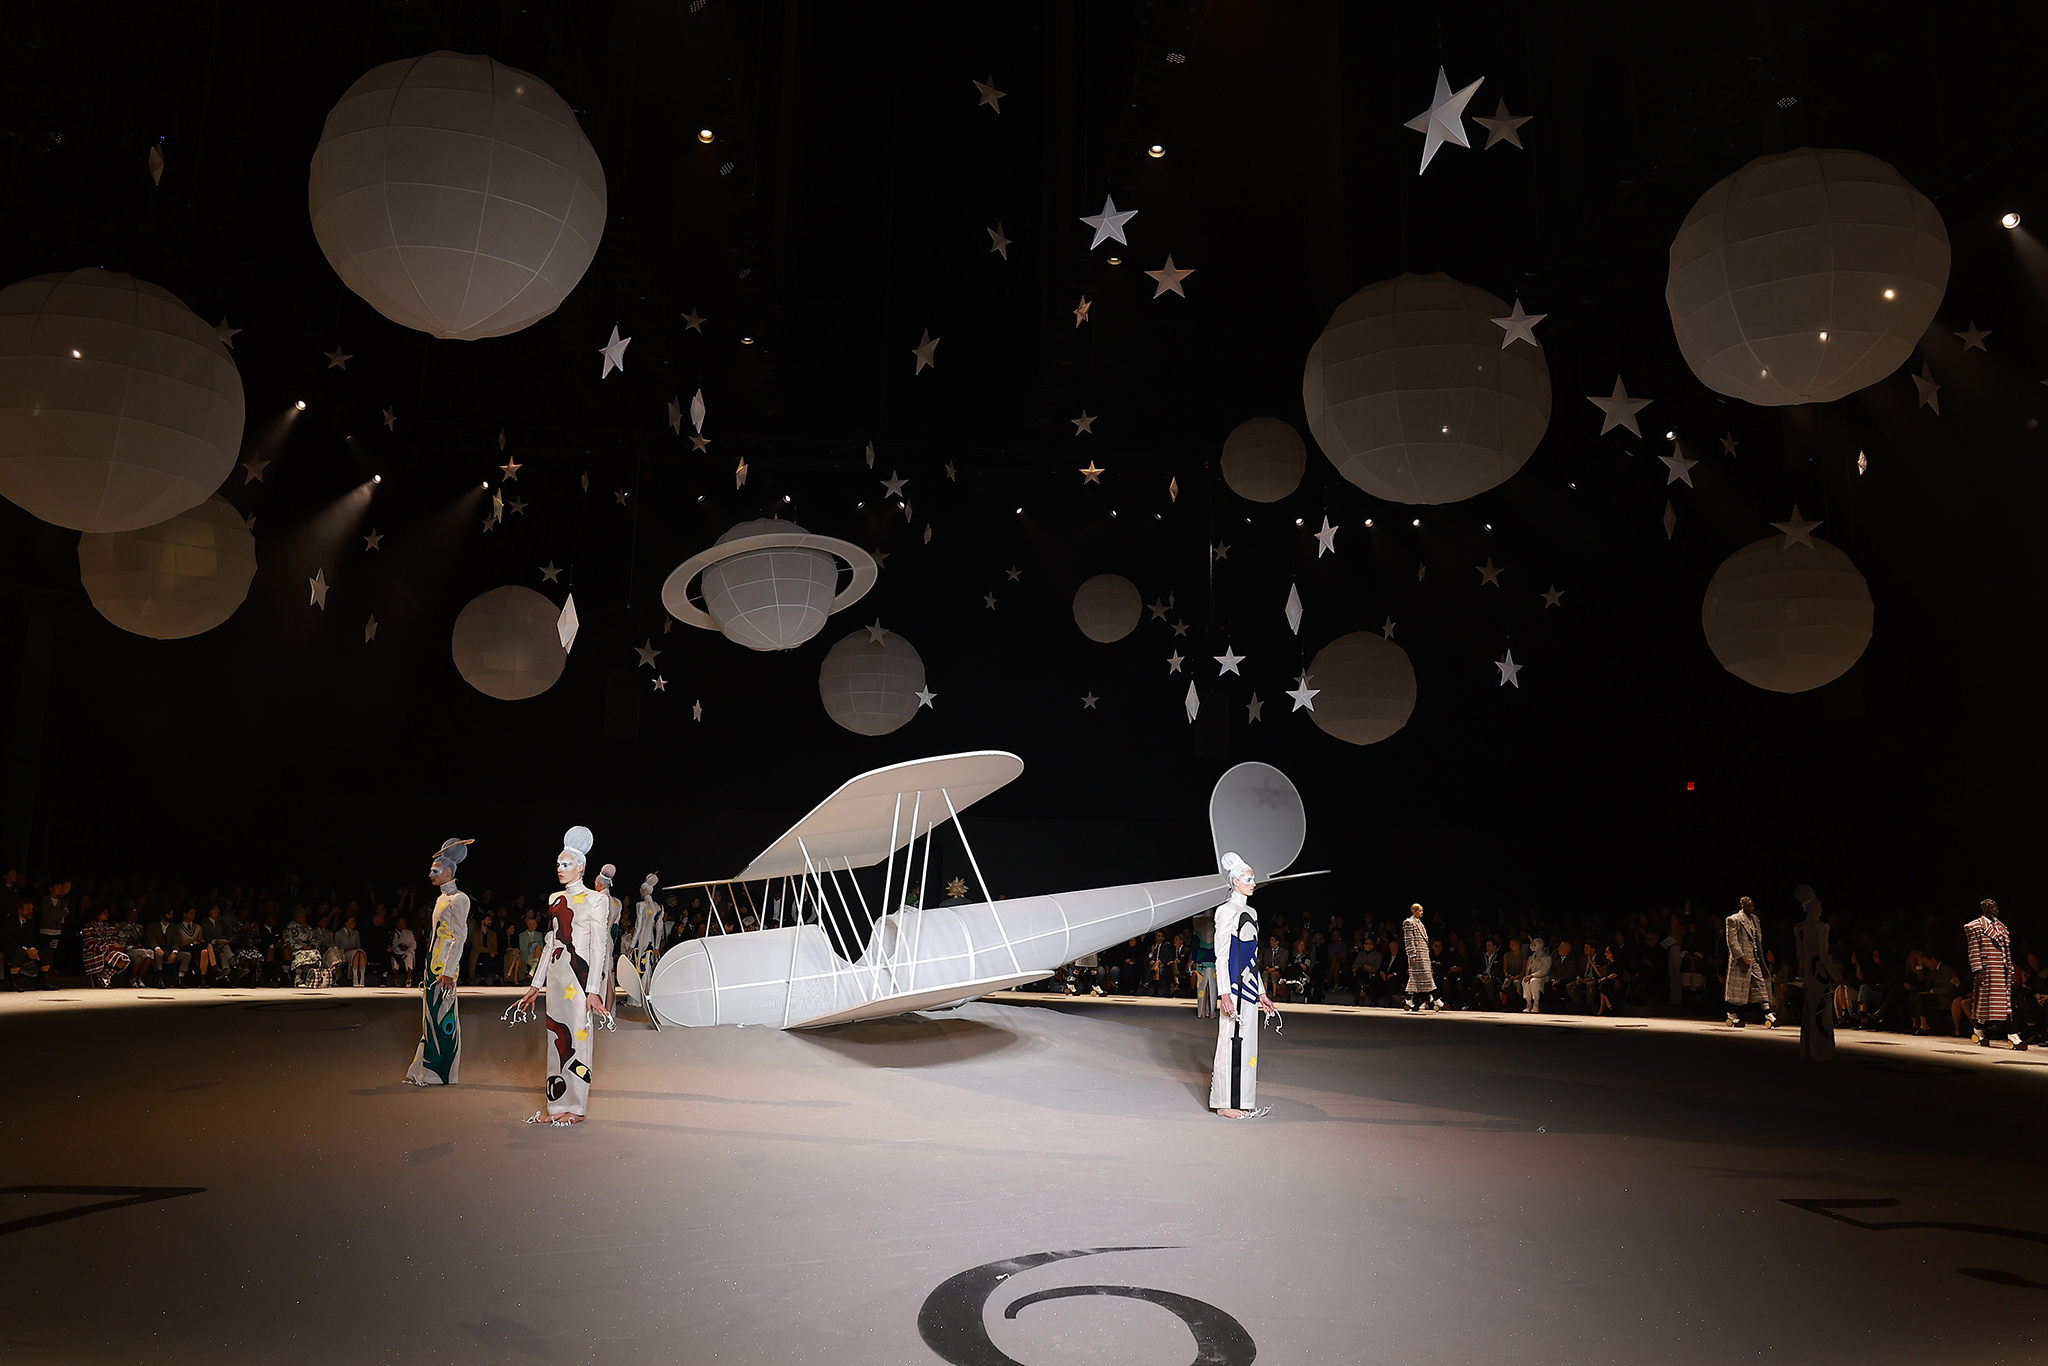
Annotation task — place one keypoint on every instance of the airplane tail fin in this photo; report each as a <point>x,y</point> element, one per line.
<point>1256,813</point>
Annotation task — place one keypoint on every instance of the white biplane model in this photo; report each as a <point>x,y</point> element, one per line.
<point>840,961</point>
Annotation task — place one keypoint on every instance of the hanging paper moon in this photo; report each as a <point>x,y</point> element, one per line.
<point>1787,618</point>
<point>1367,688</point>
<point>1264,459</point>
<point>1805,276</point>
<point>506,644</point>
<point>175,579</point>
<point>869,686</point>
<point>456,195</point>
<point>1107,607</point>
<point>1412,397</point>
<point>119,408</point>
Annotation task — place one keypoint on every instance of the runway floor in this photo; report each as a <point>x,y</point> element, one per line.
<point>242,1178</point>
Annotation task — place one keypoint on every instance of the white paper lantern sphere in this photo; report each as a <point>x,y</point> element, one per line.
<point>868,686</point>
<point>1787,618</point>
<point>172,580</point>
<point>1107,607</point>
<point>770,599</point>
<point>1412,398</point>
<point>119,408</point>
<point>506,644</point>
<point>1264,459</point>
<point>456,195</point>
<point>1805,276</point>
<point>1367,688</point>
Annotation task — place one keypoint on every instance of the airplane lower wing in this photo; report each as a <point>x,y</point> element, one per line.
<point>930,999</point>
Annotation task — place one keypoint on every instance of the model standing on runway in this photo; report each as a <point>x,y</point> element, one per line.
<point>1817,983</point>
<point>1749,982</point>
<point>1240,997</point>
<point>1421,978</point>
<point>1990,947</point>
<point>436,1061</point>
<point>571,972</point>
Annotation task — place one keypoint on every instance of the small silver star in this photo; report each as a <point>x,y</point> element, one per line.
<point>1488,573</point>
<point>1092,474</point>
<point>875,632</point>
<point>1083,423</point>
<point>1509,670</point>
<point>1088,701</point>
<point>692,323</point>
<point>1304,695</point>
<point>390,418</point>
<point>1678,465</point>
<point>1158,610</point>
<point>373,540</point>
<point>990,599</point>
<point>926,351</point>
<point>893,485</point>
<point>1180,628</point>
<point>1109,223</point>
<point>1173,662</point>
<point>1388,629</point>
<point>549,573</point>
<point>990,96</point>
<point>926,698</point>
<point>1519,326</point>
<point>660,683</point>
<point>1253,708</point>
<point>225,333</point>
<point>1973,339</point>
<point>1219,552</point>
<point>1798,531</point>
<point>1929,391</point>
<point>1728,444</point>
<point>1015,574</point>
<point>998,243</point>
<point>952,474</point>
<point>338,359</point>
<point>614,353</point>
<point>1326,540</point>
<point>254,468</point>
<point>1554,597</point>
<point>647,652</point>
<point>1229,660</point>
<point>319,585</point>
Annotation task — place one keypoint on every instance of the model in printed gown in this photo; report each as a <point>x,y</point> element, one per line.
<point>1240,998</point>
<point>571,972</point>
<point>1749,982</point>
<point>646,943</point>
<point>436,1061</point>
<point>1990,950</point>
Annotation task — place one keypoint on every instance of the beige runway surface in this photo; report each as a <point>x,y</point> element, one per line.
<point>241,1177</point>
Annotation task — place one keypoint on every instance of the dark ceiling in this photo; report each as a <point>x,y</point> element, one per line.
<point>840,212</point>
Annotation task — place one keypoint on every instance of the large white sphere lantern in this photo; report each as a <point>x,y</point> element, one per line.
<point>119,408</point>
<point>506,644</point>
<point>456,195</point>
<point>870,686</point>
<point>1787,618</point>
<point>1107,608</point>
<point>1805,276</point>
<point>1412,397</point>
<point>1367,688</point>
<point>1264,459</point>
<point>175,579</point>
<point>768,584</point>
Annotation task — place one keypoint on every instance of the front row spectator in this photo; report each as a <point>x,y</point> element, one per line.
<point>404,950</point>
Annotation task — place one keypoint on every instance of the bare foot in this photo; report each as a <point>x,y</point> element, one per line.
<point>1232,1114</point>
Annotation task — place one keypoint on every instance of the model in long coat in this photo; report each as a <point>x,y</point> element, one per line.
<point>1749,981</point>
<point>1990,949</point>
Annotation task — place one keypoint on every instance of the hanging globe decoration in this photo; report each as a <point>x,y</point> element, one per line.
<point>1264,459</point>
<point>1366,688</point>
<point>768,584</point>
<point>1107,608</point>
<point>178,578</point>
<point>870,686</point>
<point>119,408</point>
<point>1412,397</point>
<point>1805,276</point>
<point>1788,618</point>
<point>506,644</point>
<point>456,195</point>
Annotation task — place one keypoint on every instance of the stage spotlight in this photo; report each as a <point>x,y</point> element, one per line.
<point>1416,522</point>
<point>376,478</point>
<point>1116,260</point>
<point>1297,521</point>
<point>1489,526</point>
<point>1891,294</point>
<point>1673,436</point>
<point>746,341</point>
<point>1155,150</point>
<point>1020,512</point>
<point>486,484</point>
<point>705,135</point>
<point>2009,222</point>
<point>1368,521</point>
<point>80,355</point>
<point>300,405</point>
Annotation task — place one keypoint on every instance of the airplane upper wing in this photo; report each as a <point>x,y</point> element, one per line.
<point>851,827</point>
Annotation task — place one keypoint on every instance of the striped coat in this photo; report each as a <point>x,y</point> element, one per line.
<point>1989,945</point>
<point>1746,940</point>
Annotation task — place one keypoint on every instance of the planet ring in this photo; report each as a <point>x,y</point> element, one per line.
<point>675,591</point>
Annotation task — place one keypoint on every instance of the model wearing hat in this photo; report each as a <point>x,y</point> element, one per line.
<point>572,972</point>
<point>436,1061</point>
<point>1240,996</point>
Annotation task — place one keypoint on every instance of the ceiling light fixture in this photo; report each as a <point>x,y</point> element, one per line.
<point>705,135</point>
<point>2009,222</point>
<point>1156,150</point>
<point>300,405</point>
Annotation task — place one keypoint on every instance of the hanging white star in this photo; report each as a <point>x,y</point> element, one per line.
<point>549,573</point>
<point>614,353</point>
<point>1797,531</point>
<point>1973,339</point>
<point>390,418</point>
<point>1387,630</point>
<point>675,416</point>
<point>1442,122</point>
<point>1253,708</point>
<point>1173,662</point>
<point>1728,444</point>
<point>990,599</point>
<point>1180,628</point>
<point>926,351</point>
<point>511,470</point>
<point>1169,279</point>
<point>1083,423</point>
<point>893,485</point>
<point>1109,223</point>
<point>225,333</point>
<point>1509,670</point>
<point>693,323</point>
<point>1158,610</point>
<point>1929,391</point>
<point>647,652</point>
<point>1092,473</point>
<point>875,632</point>
<point>1503,126</point>
<point>660,683</point>
<point>926,697</point>
<point>338,359</point>
<point>373,540</point>
<point>1678,466</point>
<point>253,471</point>
<point>952,474</point>
<point>1303,695</point>
<point>697,710</point>
<point>370,629</point>
<point>990,96</point>
<point>1488,573</point>
<point>1081,311</point>
<point>319,586</point>
<point>997,242</point>
<point>1228,661</point>
<point>699,443</point>
<point>1088,701</point>
<point>1553,597</point>
<point>621,495</point>
<point>1618,409</point>
<point>1326,540</point>
<point>1218,552</point>
<point>1519,326</point>
<point>1015,573</point>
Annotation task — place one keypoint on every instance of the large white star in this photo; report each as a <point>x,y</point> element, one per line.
<point>1618,409</point>
<point>1303,695</point>
<point>1326,540</point>
<point>1797,531</point>
<point>926,697</point>
<point>1519,326</point>
<point>614,353</point>
<point>1509,670</point>
<point>1228,662</point>
<point>1678,466</point>
<point>1442,122</point>
<point>1170,278</point>
<point>893,485</point>
<point>1109,223</point>
<point>926,351</point>
<point>1503,126</point>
